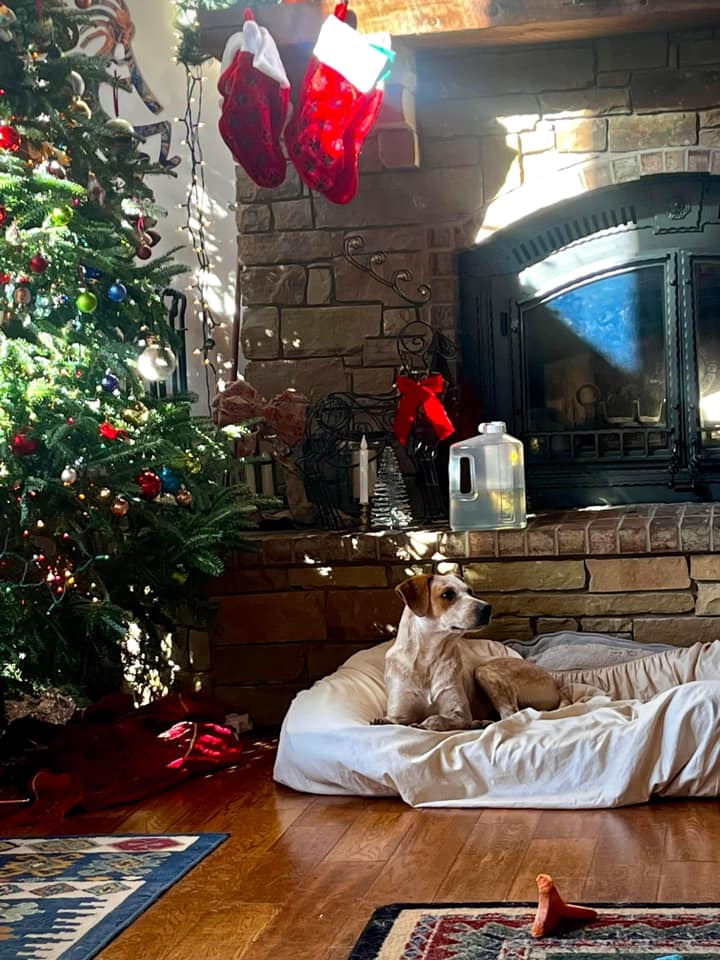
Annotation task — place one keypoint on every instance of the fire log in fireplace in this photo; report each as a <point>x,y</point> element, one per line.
<point>593,330</point>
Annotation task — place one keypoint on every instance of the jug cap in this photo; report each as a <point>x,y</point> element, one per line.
<point>494,426</point>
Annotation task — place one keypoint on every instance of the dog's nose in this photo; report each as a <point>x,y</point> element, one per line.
<point>483,614</point>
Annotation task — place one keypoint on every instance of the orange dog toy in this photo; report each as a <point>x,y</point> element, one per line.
<point>552,909</point>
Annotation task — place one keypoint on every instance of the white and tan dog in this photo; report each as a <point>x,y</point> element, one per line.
<point>438,680</point>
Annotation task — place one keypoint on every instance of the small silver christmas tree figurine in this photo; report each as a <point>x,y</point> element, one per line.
<point>390,503</point>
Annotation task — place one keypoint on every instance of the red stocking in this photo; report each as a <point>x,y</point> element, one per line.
<point>256,94</point>
<point>337,108</point>
<point>347,181</point>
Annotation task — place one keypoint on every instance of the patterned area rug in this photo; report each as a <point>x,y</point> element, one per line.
<point>501,931</point>
<point>65,898</point>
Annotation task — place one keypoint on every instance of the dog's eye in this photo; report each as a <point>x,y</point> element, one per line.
<point>448,595</point>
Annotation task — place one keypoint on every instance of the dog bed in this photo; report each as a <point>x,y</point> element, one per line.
<point>649,726</point>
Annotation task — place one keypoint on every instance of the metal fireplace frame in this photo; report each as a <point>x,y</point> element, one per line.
<point>664,219</point>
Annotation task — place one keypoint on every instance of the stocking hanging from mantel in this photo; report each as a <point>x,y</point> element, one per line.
<point>338,104</point>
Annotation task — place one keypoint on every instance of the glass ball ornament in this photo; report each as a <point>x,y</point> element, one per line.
<point>156,362</point>
<point>171,482</point>
<point>61,216</point>
<point>149,483</point>
<point>22,295</point>
<point>120,506</point>
<point>69,476</point>
<point>117,292</point>
<point>143,251</point>
<point>120,128</point>
<point>38,263</point>
<point>3,215</point>
<point>86,302</point>
<point>92,273</point>
<point>110,382</point>
<point>53,52</point>
<point>184,498</point>
<point>10,139</point>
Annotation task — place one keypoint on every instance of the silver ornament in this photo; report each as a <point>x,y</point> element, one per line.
<point>156,362</point>
<point>69,476</point>
<point>77,83</point>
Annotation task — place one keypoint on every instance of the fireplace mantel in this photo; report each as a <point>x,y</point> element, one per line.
<point>433,23</point>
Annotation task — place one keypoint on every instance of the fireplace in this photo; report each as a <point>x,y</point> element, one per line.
<point>593,329</point>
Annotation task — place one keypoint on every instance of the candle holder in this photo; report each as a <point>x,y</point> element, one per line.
<point>364,517</point>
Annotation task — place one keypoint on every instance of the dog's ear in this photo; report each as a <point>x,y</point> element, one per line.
<point>416,594</point>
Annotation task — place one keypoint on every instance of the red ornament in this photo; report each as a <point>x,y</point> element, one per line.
<point>5,278</point>
<point>3,215</point>
<point>38,264</point>
<point>107,430</point>
<point>9,138</point>
<point>22,445</point>
<point>143,252</point>
<point>149,483</point>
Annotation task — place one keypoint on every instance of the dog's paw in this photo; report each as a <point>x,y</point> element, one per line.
<point>378,721</point>
<point>479,724</point>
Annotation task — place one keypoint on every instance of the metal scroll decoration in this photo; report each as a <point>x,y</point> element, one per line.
<point>337,424</point>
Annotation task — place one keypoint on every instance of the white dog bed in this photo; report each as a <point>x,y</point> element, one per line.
<point>648,726</point>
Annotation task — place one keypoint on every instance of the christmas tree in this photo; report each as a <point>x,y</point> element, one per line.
<point>113,505</point>
<point>390,504</point>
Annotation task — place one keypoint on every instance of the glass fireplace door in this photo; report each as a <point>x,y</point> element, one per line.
<point>595,368</point>
<point>706,286</point>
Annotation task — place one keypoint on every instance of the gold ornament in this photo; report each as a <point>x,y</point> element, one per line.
<point>192,463</point>
<point>120,506</point>
<point>184,498</point>
<point>136,414</point>
<point>81,108</point>
<point>22,295</point>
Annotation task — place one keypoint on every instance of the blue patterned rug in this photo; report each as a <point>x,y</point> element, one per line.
<point>501,931</point>
<point>65,898</point>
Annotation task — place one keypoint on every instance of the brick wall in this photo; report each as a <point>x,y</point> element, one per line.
<point>468,142</point>
<point>300,606</point>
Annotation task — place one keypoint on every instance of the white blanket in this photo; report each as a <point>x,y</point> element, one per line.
<point>646,727</point>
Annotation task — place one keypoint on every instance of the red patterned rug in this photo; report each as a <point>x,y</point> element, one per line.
<point>501,931</point>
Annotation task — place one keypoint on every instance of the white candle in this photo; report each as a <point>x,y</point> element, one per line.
<point>364,471</point>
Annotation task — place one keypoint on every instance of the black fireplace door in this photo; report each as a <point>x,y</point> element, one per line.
<point>603,354</point>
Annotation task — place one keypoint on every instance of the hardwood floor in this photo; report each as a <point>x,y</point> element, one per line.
<point>300,875</point>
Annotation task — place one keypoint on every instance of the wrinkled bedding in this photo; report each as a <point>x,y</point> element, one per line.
<point>640,728</point>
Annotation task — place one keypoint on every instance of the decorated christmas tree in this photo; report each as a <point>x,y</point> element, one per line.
<point>113,505</point>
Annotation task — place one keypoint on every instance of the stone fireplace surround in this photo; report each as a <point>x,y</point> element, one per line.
<point>469,141</point>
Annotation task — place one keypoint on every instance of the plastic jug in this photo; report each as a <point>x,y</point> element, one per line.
<point>487,481</point>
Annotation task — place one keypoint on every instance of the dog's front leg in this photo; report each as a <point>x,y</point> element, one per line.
<point>403,708</point>
<point>453,712</point>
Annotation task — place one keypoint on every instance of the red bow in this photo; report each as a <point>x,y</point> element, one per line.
<point>421,395</point>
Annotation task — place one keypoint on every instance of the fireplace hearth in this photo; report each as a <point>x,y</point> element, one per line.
<point>593,330</point>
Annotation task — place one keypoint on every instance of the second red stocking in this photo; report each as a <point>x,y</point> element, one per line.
<point>339,101</point>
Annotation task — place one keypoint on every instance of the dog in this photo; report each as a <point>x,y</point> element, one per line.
<point>438,680</point>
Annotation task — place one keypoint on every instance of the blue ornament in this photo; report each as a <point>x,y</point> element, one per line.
<point>170,481</point>
<point>109,382</point>
<point>92,273</point>
<point>117,292</point>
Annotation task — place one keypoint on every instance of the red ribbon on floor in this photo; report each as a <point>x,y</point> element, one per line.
<point>421,395</point>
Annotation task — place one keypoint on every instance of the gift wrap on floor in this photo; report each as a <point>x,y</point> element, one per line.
<point>644,726</point>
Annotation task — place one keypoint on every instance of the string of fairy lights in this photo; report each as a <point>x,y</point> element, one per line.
<point>196,221</point>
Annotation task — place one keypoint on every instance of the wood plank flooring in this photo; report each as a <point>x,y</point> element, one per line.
<point>300,875</point>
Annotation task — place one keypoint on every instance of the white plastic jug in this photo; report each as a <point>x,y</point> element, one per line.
<point>487,481</point>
